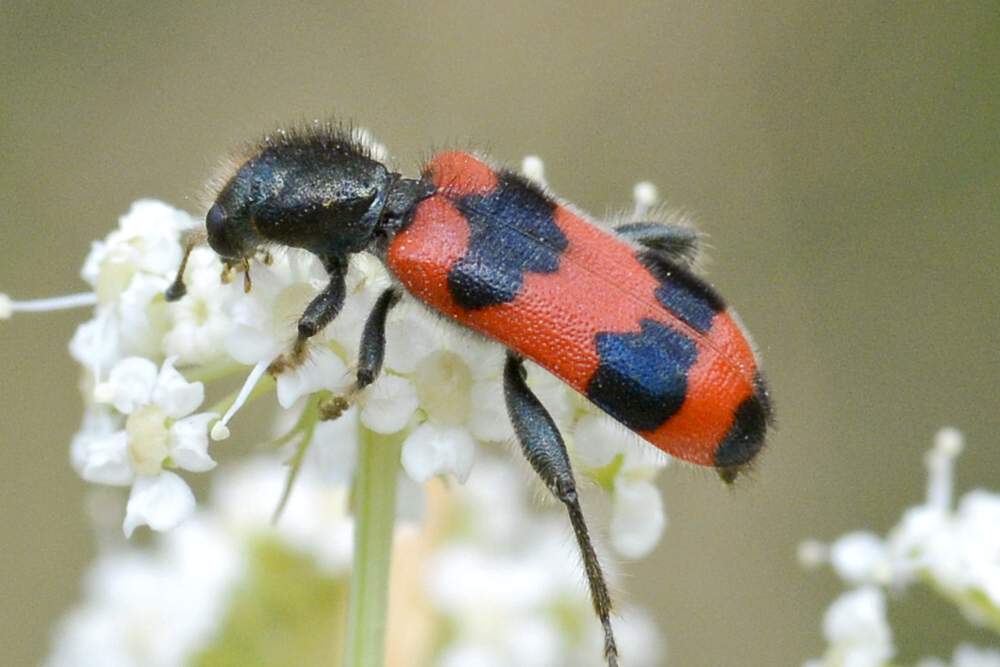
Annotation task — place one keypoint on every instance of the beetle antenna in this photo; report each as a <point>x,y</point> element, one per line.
<point>193,238</point>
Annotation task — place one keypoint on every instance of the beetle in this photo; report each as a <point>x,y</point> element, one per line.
<point>617,314</point>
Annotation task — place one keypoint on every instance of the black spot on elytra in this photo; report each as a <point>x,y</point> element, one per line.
<point>641,378</point>
<point>682,293</point>
<point>512,232</point>
<point>746,436</point>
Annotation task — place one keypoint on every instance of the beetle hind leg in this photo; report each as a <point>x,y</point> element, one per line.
<point>680,243</point>
<point>544,448</point>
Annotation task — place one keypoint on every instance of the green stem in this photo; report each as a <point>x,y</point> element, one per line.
<point>374,503</point>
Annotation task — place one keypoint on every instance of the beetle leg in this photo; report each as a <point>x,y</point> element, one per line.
<point>320,312</point>
<point>371,354</point>
<point>679,242</point>
<point>543,447</point>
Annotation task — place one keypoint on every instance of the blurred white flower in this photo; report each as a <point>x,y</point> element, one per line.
<point>150,610</point>
<point>857,630</point>
<point>955,551</point>
<point>509,584</point>
<point>966,655</point>
<point>860,558</point>
<point>438,450</point>
<point>513,595</point>
<point>638,519</point>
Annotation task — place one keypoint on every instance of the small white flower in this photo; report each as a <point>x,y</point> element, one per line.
<point>147,241</point>
<point>957,551</point>
<point>645,195</point>
<point>99,451</point>
<point>322,370</point>
<point>316,520</point>
<point>438,450</point>
<point>143,316</point>
<point>510,588</point>
<point>967,655</point>
<point>597,440</point>
<point>159,431</point>
<point>638,519</point>
<point>389,404</point>
<point>860,558</point>
<point>263,322</point>
<point>199,324</point>
<point>160,502</point>
<point>456,375</point>
<point>155,610</point>
<point>95,343</point>
<point>856,628</point>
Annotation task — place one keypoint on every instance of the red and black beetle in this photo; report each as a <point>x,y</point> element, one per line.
<point>616,314</point>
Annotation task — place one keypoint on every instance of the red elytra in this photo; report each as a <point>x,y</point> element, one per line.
<point>600,286</point>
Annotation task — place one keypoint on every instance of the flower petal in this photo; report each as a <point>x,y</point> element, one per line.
<point>856,624</point>
<point>132,380</point>
<point>161,502</point>
<point>409,338</point>
<point>104,460</point>
<point>323,370</point>
<point>597,440</point>
<point>859,558</point>
<point>638,520</point>
<point>174,394</point>
<point>390,403</point>
<point>96,343</point>
<point>438,450</point>
<point>142,315</point>
<point>333,453</point>
<point>488,420</point>
<point>189,442</point>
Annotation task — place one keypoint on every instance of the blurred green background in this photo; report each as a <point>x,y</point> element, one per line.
<point>844,158</point>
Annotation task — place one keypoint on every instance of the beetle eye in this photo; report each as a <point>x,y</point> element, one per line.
<point>215,221</point>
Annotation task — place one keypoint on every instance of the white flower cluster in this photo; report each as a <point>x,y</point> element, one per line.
<point>956,551</point>
<point>501,582</point>
<point>149,363</point>
<point>146,609</point>
<point>511,590</point>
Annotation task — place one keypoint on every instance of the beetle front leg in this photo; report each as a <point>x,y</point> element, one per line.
<point>544,448</point>
<point>320,312</point>
<point>371,354</point>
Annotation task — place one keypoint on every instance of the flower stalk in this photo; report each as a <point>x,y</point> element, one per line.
<point>374,500</point>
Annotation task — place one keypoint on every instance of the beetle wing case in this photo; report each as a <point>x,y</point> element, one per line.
<point>636,333</point>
